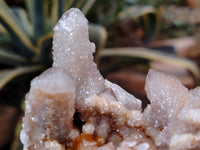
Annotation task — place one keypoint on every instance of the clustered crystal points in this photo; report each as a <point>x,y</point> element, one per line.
<point>109,117</point>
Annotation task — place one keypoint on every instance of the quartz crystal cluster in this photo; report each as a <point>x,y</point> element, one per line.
<point>71,106</point>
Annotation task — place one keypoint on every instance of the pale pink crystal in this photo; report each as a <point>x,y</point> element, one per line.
<point>74,79</point>
<point>49,109</point>
<point>123,97</point>
<point>172,118</point>
<point>112,119</point>
<point>74,52</point>
<point>52,145</point>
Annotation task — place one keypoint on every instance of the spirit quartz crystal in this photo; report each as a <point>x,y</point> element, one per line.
<point>109,118</point>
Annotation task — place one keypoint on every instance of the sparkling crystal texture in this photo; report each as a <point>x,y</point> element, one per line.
<point>71,107</point>
<point>74,52</point>
<point>49,109</point>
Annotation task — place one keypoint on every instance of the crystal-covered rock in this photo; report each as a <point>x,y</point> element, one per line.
<point>71,106</point>
<point>73,51</point>
<point>172,118</point>
<point>49,111</point>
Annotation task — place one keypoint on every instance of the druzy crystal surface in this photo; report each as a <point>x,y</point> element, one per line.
<point>173,117</point>
<point>74,52</point>
<point>71,106</point>
<point>49,109</point>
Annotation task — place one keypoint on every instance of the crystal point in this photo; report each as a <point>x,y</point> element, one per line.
<point>73,51</point>
<point>71,106</point>
<point>49,109</point>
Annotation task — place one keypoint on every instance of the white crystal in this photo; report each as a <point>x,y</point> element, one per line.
<point>53,145</point>
<point>108,146</point>
<point>49,109</point>
<point>184,141</point>
<point>128,100</point>
<point>51,79</point>
<point>174,110</point>
<point>74,52</point>
<point>88,128</point>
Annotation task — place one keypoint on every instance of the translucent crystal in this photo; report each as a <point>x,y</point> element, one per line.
<point>49,109</point>
<point>74,52</point>
<point>71,106</point>
<point>53,145</point>
<point>173,113</point>
<point>128,100</point>
<point>74,79</point>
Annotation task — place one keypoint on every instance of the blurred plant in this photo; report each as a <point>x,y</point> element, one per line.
<point>181,21</point>
<point>154,3</point>
<point>117,17</point>
<point>148,54</point>
<point>129,16</point>
<point>26,39</point>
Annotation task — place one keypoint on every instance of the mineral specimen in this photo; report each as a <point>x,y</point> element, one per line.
<point>71,106</point>
<point>172,119</point>
<point>74,52</point>
<point>49,109</point>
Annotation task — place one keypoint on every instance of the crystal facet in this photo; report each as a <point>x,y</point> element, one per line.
<point>71,106</point>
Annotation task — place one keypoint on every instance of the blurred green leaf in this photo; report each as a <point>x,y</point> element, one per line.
<point>67,4</point>
<point>110,15</point>
<point>9,58</point>
<point>23,20</point>
<point>38,17</point>
<point>79,3</point>
<point>145,53</point>
<point>3,30</point>
<point>55,12</point>
<point>45,46</point>
<point>146,14</point>
<point>88,4</point>
<point>12,25</point>
<point>98,35</point>
<point>5,40</point>
<point>135,12</point>
<point>9,74</point>
<point>17,145</point>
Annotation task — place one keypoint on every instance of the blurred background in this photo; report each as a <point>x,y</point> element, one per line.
<point>131,36</point>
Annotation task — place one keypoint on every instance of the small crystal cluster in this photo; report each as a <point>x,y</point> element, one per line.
<point>173,117</point>
<point>71,106</point>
